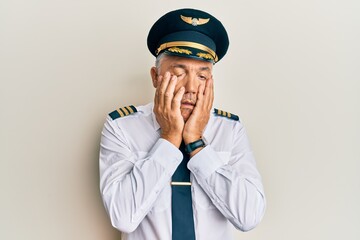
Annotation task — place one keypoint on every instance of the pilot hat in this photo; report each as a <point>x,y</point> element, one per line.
<point>189,33</point>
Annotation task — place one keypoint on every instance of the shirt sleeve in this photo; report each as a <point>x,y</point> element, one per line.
<point>130,186</point>
<point>234,188</point>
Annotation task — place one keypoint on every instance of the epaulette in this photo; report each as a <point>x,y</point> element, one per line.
<point>222,113</point>
<point>122,112</point>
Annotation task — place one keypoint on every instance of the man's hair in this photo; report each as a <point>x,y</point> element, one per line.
<point>158,60</point>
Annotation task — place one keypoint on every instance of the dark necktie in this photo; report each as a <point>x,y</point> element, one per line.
<point>181,204</point>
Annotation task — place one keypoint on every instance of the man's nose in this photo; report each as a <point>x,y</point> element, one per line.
<point>191,84</point>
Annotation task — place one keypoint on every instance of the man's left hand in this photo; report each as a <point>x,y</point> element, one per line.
<point>200,116</point>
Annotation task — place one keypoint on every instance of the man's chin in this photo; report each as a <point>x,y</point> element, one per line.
<point>185,113</point>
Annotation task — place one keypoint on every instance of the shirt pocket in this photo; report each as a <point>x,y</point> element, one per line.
<point>163,201</point>
<point>200,197</point>
<point>164,197</point>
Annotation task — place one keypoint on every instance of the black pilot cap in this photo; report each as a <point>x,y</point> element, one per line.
<point>189,33</point>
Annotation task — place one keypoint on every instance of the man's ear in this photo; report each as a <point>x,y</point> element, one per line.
<point>154,76</point>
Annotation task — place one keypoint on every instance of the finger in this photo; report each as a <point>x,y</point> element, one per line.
<point>162,89</point>
<point>209,93</point>
<point>156,97</point>
<point>200,97</point>
<point>176,101</point>
<point>208,87</point>
<point>169,93</point>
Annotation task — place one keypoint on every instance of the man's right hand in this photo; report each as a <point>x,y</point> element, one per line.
<point>167,108</point>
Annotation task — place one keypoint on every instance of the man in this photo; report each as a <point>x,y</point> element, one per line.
<point>176,168</point>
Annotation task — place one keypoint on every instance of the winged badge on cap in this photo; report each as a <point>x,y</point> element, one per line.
<point>195,21</point>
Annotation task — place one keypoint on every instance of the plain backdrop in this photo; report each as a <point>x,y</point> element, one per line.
<point>291,74</point>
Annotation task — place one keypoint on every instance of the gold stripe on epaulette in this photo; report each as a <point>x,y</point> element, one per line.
<point>130,110</point>
<point>120,112</point>
<point>222,113</point>
<point>125,111</point>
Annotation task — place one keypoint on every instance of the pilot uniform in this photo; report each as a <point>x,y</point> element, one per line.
<point>137,166</point>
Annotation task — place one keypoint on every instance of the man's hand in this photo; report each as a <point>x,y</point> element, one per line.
<point>167,109</point>
<point>199,117</point>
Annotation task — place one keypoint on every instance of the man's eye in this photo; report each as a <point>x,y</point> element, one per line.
<point>203,77</point>
<point>179,74</point>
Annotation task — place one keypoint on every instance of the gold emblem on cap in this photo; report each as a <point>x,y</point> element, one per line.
<point>179,50</point>
<point>195,21</point>
<point>187,44</point>
<point>205,55</point>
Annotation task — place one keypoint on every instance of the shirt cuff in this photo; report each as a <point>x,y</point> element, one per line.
<point>205,162</point>
<point>166,154</point>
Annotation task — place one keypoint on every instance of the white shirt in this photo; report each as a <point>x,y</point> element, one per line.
<point>136,166</point>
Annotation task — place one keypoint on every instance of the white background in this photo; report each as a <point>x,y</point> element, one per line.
<point>291,73</point>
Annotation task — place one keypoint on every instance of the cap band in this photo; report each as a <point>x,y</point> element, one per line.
<point>187,44</point>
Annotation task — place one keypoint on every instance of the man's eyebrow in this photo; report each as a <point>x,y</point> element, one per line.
<point>179,66</point>
<point>205,69</point>
<point>185,67</point>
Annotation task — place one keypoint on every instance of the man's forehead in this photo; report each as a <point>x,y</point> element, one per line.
<point>185,63</point>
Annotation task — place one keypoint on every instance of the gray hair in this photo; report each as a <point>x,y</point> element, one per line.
<point>160,57</point>
<point>158,60</point>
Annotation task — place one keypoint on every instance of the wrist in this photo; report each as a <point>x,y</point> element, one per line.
<point>193,147</point>
<point>174,139</point>
<point>192,138</point>
<point>193,153</point>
